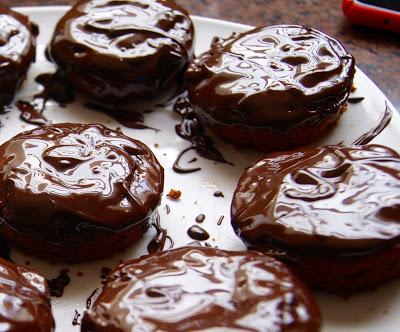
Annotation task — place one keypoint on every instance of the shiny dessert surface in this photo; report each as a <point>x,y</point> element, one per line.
<point>196,288</point>
<point>25,300</point>
<point>118,50</point>
<point>277,76</point>
<point>87,171</point>
<point>332,197</point>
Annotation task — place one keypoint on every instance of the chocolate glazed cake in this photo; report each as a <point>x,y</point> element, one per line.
<point>271,88</point>
<point>75,192</point>
<point>25,300</point>
<point>17,51</point>
<point>195,289</point>
<point>124,51</point>
<point>332,213</point>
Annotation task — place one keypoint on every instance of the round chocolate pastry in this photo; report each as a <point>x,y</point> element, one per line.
<point>272,87</point>
<point>121,51</point>
<point>17,51</point>
<point>75,192</point>
<point>194,289</point>
<point>25,300</point>
<point>330,208</point>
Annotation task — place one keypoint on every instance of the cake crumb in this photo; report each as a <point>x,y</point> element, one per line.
<point>175,194</point>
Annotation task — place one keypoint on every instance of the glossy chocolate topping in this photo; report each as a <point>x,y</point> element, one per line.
<point>193,289</point>
<point>331,197</point>
<point>17,51</point>
<point>88,171</point>
<point>278,76</point>
<point>131,50</point>
<point>25,300</point>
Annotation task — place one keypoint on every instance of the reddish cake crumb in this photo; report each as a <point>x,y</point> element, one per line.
<point>175,194</point>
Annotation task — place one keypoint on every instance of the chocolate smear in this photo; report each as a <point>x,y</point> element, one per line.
<point>58,284</point>
<point>375,131</point>
<point>130,119</point>
<point>192,130</point>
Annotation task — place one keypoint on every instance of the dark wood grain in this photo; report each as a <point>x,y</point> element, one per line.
<point>377,52</point>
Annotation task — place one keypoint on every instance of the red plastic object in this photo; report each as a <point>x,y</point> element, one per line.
<point>372,15</point>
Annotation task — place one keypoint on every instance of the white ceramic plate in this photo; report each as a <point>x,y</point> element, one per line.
<point>372,311</point>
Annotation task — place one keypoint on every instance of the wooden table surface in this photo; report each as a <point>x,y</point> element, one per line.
<point>377,53</point>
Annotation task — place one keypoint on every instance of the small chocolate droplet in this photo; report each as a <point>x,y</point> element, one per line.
<point>198,233</point>
<point>200,218</point>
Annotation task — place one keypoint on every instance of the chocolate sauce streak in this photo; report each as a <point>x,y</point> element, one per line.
<point>157,243</point>
<point>192,130</point>
<point>58,284</point>
<point>219,194</point>
<point>220,220</point>
<point>200,218</point>
<point>56,88</point>
<point>127,118</point>
<point>76,320</point>
<point>89,300</point>
<point>372,133</point>
<point>198,233</point>
<point>355,100</point>
<point>30,114</point>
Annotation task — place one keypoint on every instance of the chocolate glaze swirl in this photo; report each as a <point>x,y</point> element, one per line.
<point>333,197</point>
<point>190,289</point>
<point>278,76</point>
<point>17,51</point>
<point>88,171</point>
<point>131,50</point>
<point>25,300</point>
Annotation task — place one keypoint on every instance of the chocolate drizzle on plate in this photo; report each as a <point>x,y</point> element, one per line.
<point>30,114</point>
<point>192,130</point>
<point>381,125</point>
<point>198,233</point>
<point>130,119</point>
<point>58,284</point>
<point>54,87</point>
<point>157,243</point>
<point>89,300</point>
<point>76,320</point>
